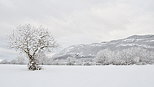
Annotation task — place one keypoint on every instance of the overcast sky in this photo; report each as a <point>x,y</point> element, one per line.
<point>80,21</point>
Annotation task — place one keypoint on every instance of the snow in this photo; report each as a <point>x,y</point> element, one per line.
<point>150,41</point>
<point>1,60</point>
<point>145,46</point>
<point>78,76</point>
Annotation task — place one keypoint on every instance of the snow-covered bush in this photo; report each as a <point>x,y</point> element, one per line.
<point>70,61</point>
<point>105,57</point>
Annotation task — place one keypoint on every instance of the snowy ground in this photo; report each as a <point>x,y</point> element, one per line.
<point>77,76</point>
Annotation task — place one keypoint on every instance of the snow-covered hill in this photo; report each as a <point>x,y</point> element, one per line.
<point>90,50</point>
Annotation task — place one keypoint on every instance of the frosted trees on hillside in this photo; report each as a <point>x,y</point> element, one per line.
<point>128,56</point>
<point>31,40</point>
<point>137,55</point>
<point>105,56</point>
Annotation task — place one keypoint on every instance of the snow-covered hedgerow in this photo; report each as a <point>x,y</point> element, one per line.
<point>128,56</point>
<point>134,55</point>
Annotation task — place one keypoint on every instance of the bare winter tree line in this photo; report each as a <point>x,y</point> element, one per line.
<point>130,56</point>
<point>134,55</point>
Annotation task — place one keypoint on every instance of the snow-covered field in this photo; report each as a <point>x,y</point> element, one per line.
<point>77,76</point>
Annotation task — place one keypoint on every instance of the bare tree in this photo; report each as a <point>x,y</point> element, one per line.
<point>31,40</point>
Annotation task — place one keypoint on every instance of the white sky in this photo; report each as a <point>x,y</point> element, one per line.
<point>80,21</point>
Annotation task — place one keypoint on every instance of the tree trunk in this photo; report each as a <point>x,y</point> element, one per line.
<point>33,64</point>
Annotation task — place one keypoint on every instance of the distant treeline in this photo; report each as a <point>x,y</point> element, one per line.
<point>130,56</point>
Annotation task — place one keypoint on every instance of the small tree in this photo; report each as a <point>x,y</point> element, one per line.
<point>104,57</point>
<point>31,40</point>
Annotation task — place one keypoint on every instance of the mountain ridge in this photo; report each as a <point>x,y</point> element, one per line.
<point>90,50</point>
